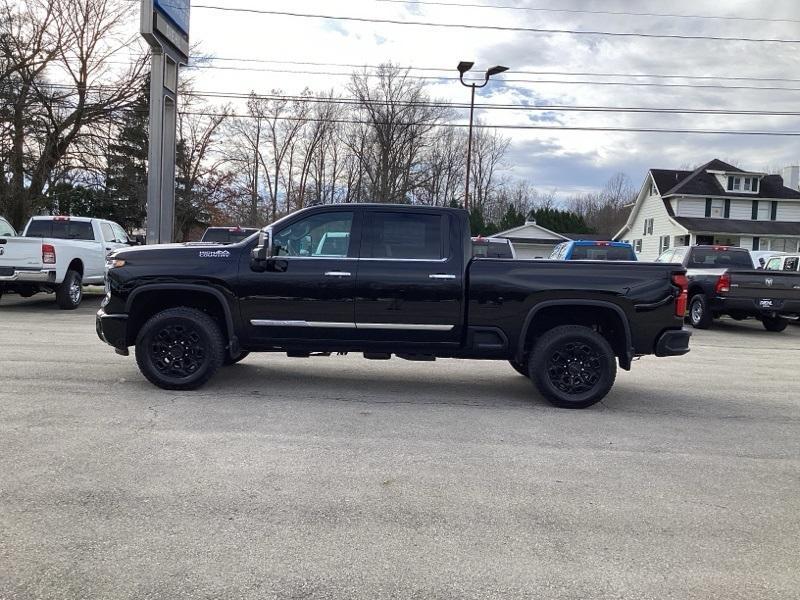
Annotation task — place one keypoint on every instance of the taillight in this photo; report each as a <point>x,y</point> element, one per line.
<point>723,284</point>
<point>48,254</point>
<point>680,281</point>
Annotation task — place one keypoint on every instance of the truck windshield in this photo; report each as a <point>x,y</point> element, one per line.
<point>719,257</point>
<point>223,235</point>
<point>602,253</point>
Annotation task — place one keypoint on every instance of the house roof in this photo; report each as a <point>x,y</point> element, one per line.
<point>702,183</point>
<point>527,240</point>
<point>740,226</point>
<point>531,233</point>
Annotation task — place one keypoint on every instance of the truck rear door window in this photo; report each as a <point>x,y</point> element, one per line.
<point>79,230</point>
<point>405,236</point>
<point>722,258</point>
<point>790,264</point>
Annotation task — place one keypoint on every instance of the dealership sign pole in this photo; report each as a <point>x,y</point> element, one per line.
<point>165,26</point>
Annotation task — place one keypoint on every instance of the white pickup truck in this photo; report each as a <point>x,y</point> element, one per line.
<point>59,254</point>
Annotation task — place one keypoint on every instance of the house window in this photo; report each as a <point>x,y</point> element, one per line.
<point>637,246</point>
<point>648,227</point>
<point>764,210</point>
<point>717,208</point>
<point>778,244</point>
<point>664,243</point>
<point>653,190</point>
<point>734,184</point>
<point>681,240</point>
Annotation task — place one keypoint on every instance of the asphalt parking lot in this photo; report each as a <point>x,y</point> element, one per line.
<point>344,478</point>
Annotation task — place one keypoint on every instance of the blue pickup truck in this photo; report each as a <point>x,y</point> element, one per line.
<point>591,250</point>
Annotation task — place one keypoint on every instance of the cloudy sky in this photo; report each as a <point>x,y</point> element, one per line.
<point>566,161</point>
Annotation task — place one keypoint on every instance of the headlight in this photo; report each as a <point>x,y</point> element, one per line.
<point>114,263</point>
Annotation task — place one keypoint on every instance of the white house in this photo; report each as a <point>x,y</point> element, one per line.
<point>714,204</point>
<point>532,240</point>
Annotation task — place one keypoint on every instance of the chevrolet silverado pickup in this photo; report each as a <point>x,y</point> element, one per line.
<point>722,281</point>
<point>400,280</point>
<point>58,254</point>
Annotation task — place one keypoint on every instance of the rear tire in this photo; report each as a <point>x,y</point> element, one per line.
<point>228,361</point>
<point>179,348</point>
<point>572,366</point>
<point>521,368</point>
<point>70,293</point>
<point>776,324</point>
<point>699,315</point>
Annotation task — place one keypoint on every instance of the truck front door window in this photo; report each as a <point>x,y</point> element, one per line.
<point>323,235</point>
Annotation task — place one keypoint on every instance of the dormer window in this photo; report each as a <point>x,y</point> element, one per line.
<point>743,184</point>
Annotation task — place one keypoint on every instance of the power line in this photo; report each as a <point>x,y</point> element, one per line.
<point>496,27</point>
<point>512,80</point>
<point>348,101</point>
<point>513,127</point>
<point>588,12</point>
<point>520,72</point>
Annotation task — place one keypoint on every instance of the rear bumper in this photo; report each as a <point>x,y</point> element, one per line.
<point>33,276</point>
<point>112,329</point>
<point>755,307</point>
<point>673,342</point>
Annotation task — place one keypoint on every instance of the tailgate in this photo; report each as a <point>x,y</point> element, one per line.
<point>19,253</point>
<point>777,285</point>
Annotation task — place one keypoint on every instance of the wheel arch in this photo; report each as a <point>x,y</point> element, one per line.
<point>76,264</point>
<point>147,300</point>
<point>608,317</point>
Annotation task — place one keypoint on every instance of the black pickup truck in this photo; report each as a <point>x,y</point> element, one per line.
<point>723,281</point>
<point>388,280</point>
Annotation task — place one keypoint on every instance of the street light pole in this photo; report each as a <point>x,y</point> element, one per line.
<point>469,147</point>
<point>463,67</point>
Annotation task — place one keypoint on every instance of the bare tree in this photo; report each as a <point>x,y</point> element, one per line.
<point>606,210</point>
<point>488,151</point>
<point>400,119</point>
<point>77,38</point>
<point>202,181</point>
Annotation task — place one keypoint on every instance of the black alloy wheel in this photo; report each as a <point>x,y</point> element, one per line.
<point>179,348</point>
<point>573,366</point>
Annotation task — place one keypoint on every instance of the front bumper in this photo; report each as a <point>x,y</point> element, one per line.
<point>673,342</point>
<point>33,276</point>
<point>113,330</point>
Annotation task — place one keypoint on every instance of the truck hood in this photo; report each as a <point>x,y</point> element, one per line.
<point>178,252</point>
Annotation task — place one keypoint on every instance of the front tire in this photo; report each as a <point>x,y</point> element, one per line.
<point>70,293</point>
<point>699,315</point>
<point>179,349</point>
<point>573,366</point>
<point>776,324</point>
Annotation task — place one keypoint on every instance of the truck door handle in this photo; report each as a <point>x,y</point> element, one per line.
<point>441,276</point>
<point>337,274</point>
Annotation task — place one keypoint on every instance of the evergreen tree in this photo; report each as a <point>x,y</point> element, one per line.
<point>126,178</point>
<point>561,221</point>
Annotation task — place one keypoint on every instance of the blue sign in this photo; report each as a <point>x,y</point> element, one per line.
<point>177,11</point>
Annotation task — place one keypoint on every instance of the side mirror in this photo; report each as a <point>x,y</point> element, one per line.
<point>262,252</point>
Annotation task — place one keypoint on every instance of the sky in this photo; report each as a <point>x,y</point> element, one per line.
<point>567,162</point>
